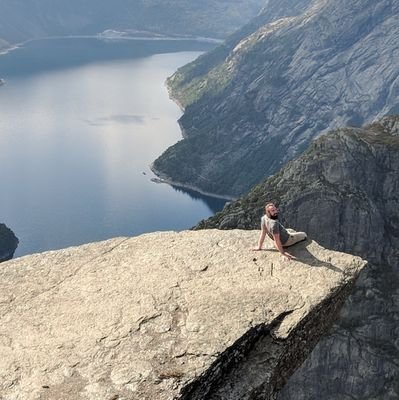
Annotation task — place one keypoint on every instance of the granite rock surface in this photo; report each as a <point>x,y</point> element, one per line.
<point>190,315</point>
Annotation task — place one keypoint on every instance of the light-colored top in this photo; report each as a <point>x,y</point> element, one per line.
<point>273,226</point>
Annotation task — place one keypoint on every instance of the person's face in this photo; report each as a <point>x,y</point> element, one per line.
<point>272,211</point>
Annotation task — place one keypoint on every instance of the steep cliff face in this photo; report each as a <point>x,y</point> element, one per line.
<point>344,192</point>
<point>8,243</point>
<point>189,315</point>
<point>335,64</point>
<point>347,180</point>
<point>184,83</point>
<point>39,18</point>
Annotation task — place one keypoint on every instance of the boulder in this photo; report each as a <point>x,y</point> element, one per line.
<point>8,243</point>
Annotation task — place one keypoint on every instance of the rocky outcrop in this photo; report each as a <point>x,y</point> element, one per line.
<point>190,315</point>
<point>344,192</point>
<point>347,181</point>
<point>8,243</point>
<point>278,88</point>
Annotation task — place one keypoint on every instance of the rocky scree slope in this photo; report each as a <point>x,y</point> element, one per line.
<point>277,88</point>
<point>189,315</point>
<point>344,192</point>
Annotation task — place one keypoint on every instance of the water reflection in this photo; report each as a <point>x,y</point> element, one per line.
<point>215,204</point>
<point>78,133</point>
<point>120,119</point>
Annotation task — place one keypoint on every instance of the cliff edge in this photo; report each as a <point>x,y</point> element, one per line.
<point>190,315</point>
<point>344,191</point>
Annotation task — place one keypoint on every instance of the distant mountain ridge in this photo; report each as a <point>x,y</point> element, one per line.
<point>29,19</point>
<point>278,87</point>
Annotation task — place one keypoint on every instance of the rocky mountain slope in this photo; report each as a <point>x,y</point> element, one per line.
<point>189,315</point>
<point>335,64</point>
<point>344,192</point>
<point>8,243</point>
<point>37,18</point>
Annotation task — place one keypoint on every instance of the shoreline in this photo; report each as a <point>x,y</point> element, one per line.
<point>148,35</point>
<point>161,178</point>
<point>122,36</point>
<point>8,49</point>
<point>173,98</point>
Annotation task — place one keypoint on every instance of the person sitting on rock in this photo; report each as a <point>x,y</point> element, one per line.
<point>281,236</point>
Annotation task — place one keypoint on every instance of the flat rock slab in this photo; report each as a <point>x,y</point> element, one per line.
<point>148,317</point>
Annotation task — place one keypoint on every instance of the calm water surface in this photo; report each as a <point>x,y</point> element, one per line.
<point>80,122</point>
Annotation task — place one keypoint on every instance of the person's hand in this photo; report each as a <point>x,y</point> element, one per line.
<point>288,256</point>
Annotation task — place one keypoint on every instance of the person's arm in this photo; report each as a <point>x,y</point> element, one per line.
<point>262,236</point>
<point>280,248</point>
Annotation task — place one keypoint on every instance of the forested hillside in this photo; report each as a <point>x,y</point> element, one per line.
<point>21,20</point>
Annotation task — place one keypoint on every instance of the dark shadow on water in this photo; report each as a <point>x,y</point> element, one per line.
<point>214,204</point>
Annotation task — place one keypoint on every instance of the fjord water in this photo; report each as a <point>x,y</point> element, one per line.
<point>81,120</point>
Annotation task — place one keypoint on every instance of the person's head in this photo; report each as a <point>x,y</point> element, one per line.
<point>271,211</point>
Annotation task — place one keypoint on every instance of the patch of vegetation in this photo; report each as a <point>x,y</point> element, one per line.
<point>212,84</point>
<point>384,139</point>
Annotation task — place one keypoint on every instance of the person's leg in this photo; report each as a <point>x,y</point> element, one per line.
<point>294,237</point>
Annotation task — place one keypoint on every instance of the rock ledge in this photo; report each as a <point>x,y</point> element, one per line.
<point>190,315</point>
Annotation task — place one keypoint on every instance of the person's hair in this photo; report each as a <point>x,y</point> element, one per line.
<point>267,206</point>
